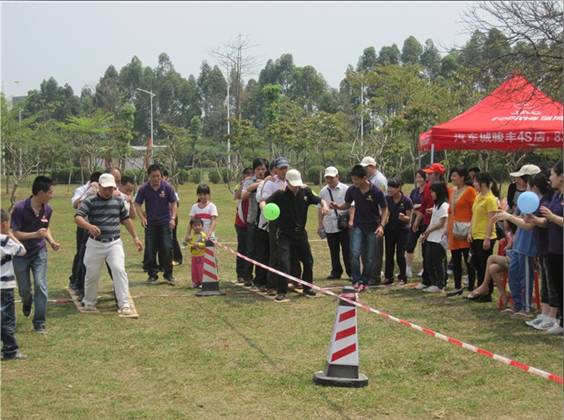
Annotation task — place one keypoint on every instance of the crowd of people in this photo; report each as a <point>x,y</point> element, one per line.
<point>360,222</point>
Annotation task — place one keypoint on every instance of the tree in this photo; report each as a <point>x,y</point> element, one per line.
<point>108,96</point>
<point>534,32</point>
<point>176,141</point>
<point>411,51</point>
<point>389,55</point>
<point>367,60</point>
<point>431,59</point>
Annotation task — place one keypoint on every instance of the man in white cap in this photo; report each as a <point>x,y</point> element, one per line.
<point>377,179</point>
<point>519,184</point>
<point>101,216</point>
<point>292,236</point>
<point>333,224</point>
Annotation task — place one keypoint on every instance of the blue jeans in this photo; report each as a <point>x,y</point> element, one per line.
<point>363,243</point>
<point>9,343</point>
<point>158,239</point>
<point>23,267</point>
<point>521,277</point>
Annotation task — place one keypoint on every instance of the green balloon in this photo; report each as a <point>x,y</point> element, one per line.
<point>271,211</point>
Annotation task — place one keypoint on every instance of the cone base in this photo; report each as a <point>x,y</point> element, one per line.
<point>321,378</point>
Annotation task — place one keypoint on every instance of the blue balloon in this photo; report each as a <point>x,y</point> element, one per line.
<point>528,202</point>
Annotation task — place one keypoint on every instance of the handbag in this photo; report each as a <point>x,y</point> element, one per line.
<point>459,229</point>
<point>342,219</point>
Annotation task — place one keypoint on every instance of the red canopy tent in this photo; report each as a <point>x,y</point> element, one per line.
<point>515,116</point>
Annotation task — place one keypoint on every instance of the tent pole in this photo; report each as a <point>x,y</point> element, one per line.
<point>432,153</point>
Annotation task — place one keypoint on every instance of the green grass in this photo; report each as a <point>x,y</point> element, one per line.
<point>243,356</point>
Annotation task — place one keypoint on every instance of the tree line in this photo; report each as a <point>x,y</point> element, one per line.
<point>380,107</point>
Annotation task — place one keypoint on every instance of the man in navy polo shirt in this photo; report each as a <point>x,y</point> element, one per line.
<point>158,219</point>
<point>30,224</point>
<point>371,215</point>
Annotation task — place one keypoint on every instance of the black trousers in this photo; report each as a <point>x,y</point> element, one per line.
<point>8,323</point>
<point>457,256</point>
<point>241,265</point>
<point>176,252</point>
<point>272,279</point>
<point>250,247</point>
<point>294,248</point>
<point>262,255</point>
<point>158,240</point>
<point>479,260</point>
<point>81,238</point>
<point>338,242</point>
<point>396,242</point>
<point>435,264</point>
<point>555,277</point>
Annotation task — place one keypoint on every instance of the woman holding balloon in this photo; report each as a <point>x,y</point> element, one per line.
<point>524,251</point>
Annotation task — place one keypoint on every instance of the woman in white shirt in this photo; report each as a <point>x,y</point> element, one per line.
<point>435,235</point>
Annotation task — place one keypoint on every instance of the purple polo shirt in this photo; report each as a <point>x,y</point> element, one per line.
<point>405,204</point>
<point>23,219</point>
<point>554,231</point>
<point>156,202</point>
<point>366,206</point>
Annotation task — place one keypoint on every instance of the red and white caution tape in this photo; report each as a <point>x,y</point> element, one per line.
<point>510,362</point>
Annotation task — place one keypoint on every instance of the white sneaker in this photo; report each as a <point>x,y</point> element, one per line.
<point>546,325</point>
<point>125,310</point>
<point>420,273</point>
<point>88,308</point>
<point>408,272</point>
<point>537,321</point>
<point>556,329</point>
<point>432,289</point>
<point>420,286</point>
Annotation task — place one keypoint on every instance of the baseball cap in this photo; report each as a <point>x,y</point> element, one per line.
<point>281,162</point>
<point>294,178</point>
<point>368,161</point>
<point>435,168</point>
<point>331,171</point>
<point>107,180</point>
<point>526,170</point>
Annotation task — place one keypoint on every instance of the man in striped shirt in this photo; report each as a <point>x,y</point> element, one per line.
<point>9,247</point>
<point>101,215</point>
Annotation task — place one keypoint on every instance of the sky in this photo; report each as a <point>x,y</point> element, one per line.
<point>75,42</point>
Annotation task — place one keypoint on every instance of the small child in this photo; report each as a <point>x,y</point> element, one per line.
<point>9,247</point>
<point>197,249</point>
<point>205,210</point>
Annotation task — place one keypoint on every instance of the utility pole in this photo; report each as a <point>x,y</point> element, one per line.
<point>362,116</point>
<point>228,127</point>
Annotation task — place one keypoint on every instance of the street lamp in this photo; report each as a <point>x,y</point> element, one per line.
<point>151,94</point>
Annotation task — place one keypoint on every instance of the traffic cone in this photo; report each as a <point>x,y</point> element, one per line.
<point>342,359</point>
<point>210,282</point>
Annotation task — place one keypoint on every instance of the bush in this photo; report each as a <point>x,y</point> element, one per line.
<point>214,176</point>
<point>195,175</point>
<point>344,174</point>
<point>314,173</point>
<point>183,176</point>
<point>137,174</point>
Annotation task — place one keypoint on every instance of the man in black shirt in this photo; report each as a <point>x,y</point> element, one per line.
<point>292,236</point>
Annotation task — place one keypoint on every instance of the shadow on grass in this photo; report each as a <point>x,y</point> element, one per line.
<point>252,344</point>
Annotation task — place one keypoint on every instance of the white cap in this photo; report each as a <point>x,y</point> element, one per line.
<point>526,170</point>
<point>294,178</point>
<point>331,171</point>
<point>107,180</point>
<point>368,161</point>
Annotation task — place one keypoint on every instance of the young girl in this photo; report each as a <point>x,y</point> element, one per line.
<point>197,249</point>
<point>205,210</point>
<point>435,250</point>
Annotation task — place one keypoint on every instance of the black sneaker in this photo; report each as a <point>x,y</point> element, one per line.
<point>41,329</point>
<point>387,283</point>
<point>455,292</point>
<point>240,280</point>
<point>17,356</point>
<point>262,289</point>
<point>248,283</point>
<point>333,277</point>
<point>280,297</point>
<point>170,280</point>
<point>271,292</point>
<point>309,292</point>
<point>26,309</point>
<point>153,279</point>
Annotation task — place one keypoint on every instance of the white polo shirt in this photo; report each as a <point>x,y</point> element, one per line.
<point>264,191</point>
<point>330,220</point>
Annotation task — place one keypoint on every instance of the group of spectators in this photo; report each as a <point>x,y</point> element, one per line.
<point>373,216</point>
<point>360,222</point>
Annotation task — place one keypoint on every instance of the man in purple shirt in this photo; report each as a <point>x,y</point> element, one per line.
<point>158,219</point>
<point>370,218</point>
<point>30,224</point>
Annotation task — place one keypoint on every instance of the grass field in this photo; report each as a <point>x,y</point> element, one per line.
<point>243,356</point>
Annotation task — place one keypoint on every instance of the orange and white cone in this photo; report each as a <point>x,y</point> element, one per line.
<point>342,359</point>
<point>210,282</point>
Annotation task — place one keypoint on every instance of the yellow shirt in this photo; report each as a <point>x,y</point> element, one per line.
<point>483,204</point>
<point>198,245</point>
